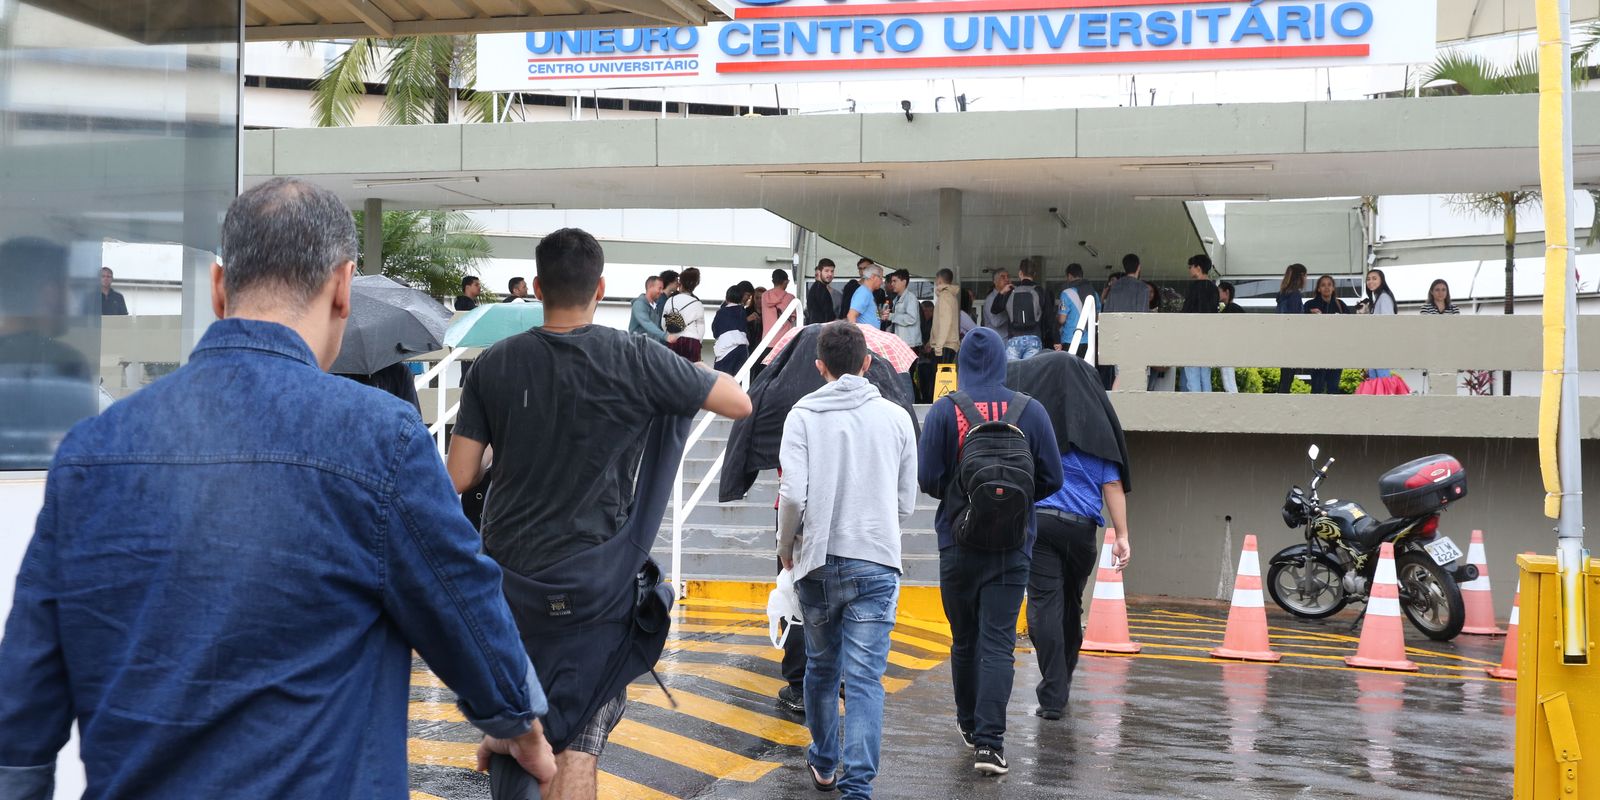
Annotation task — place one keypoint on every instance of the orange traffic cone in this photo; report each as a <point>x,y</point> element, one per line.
<point>1247,638</point>
<point>1479,600</point>
<point>1108,613</point>
<point>1383,641</point>
<point>1507,670</point>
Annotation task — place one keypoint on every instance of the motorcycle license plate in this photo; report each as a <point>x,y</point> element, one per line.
<point>1443,550</point>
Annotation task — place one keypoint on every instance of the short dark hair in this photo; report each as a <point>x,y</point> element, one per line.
<point>735,293</point>
<point>1074,270</point>
<point>285,237</point>
<point>468,280</point>
<point>1225,286</point>
<point>568,264</point>
<point>841,347</point>
<point>1202,261</point>
<point>668,276</point>
<point>864,261</point>
<point>108,271</point>
<point>511,285</point>
<point>779,277</point>
<point>1130,264</point>
<point>689,280</point>
<point>1026,267</point>
<point>651,281</point>
<point>946,275</point>
<point>824,262</point>
<point>902,274</point>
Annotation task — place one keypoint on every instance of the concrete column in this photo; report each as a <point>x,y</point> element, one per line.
<point>950,232</point>
<point>372,233</point>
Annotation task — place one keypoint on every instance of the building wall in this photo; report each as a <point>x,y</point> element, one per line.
<point>1187,484</point>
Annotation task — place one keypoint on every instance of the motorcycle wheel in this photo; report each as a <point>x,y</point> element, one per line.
<point>1430,597</point>
<point>1326,583</point>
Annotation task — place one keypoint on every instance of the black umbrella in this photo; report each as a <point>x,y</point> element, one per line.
<point>388,323</point>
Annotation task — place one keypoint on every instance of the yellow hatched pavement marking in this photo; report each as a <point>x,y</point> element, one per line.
<point>695,755</point>
<point>465,756</point>
<point>415,795</point>
<point>1200,660</point>
<point>745,679</point>
<point>1318,636</point>
<point>1286,654</point>
<point>761,630</point>
<point>716,712</point>
<point>427,679</point>
<point>773,654</point>
<point>435,712</point>
<point>909,622</point>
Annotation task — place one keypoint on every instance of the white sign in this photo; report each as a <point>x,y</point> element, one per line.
<point>786,41</point>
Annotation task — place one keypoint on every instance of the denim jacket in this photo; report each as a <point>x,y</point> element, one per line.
<point>227,580</point>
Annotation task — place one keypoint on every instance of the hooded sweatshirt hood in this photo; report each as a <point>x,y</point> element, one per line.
<point>982,360</point>
<point>844,394</point>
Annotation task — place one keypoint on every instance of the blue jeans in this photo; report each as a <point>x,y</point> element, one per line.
<point>1019,348</point>
<point>849,607</point>
<point>1196,379</point>
<point>982,593</point>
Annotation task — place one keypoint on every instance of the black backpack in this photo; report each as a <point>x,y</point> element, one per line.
<point>1023,308</point>
<point>995,474</point>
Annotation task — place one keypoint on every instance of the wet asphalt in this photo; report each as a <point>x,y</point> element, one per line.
<point>1165,724</point>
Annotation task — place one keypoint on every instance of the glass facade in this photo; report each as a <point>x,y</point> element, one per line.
<point>119,153</point>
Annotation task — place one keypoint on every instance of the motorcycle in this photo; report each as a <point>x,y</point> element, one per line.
<point>1335,565</point>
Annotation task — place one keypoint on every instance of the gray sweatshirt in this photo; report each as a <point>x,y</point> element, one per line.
<point>849,461</point>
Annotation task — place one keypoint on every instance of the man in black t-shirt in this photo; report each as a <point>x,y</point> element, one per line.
<point>468,299</point>
<point>565,408</point>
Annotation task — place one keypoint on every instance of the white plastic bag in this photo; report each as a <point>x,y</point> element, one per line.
<point>782,606</point>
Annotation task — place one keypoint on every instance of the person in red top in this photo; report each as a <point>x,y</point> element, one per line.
<point>773,303</point>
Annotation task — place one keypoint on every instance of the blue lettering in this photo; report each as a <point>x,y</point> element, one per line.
<point>1294,18</point>
<point>605,41</point>
<point>1253,24</point>
<point>685,38</point>
<point>539,42</point>
<point>951,39</point>
<point>1027,32</point>
<point>1212,16</point>
<point>727,33</point>
<point>1188,27</point>
<point>1058,37</point>
<point>766,39</point>
<point>1363,10</point>
<point>625,46</point>
<point>893,35</point>
<point>869,32</point>
<point>1162,30</point>
<point>1321,22</point>
<point>657,38</point>
<point>994,29</point>
<point>835,29</point>
<point>1092,30</point>
<point>1125,23</point>
<point>804,38</point>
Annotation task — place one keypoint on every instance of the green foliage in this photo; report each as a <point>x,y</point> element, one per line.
<point>1249,379</point>
<point>1269,382</point>
<point>432,250</point>
<point>1350,379</point>
<point>419,74</point>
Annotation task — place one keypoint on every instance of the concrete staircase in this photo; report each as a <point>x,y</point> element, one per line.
<point>738,540</point>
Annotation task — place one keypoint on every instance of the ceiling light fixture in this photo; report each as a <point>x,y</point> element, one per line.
<point>867,174</point>
<point>896,217</point>
<point>383,183</point>
<point>1203,166</point>
<point>1054,212</point>
<point>1200,197</point>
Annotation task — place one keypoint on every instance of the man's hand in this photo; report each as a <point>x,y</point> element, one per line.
<point>1313,311</point>
<point>530,750</point>
<point>788,561</point>
<point>1121,552</point>
<point>1058,347</point>
<point>1006,289</point>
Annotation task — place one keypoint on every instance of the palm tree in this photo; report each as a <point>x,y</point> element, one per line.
<point>1476,75</point>
<point>420,74</point>
<point>431,250</point>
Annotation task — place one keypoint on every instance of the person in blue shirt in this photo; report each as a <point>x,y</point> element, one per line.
<point>863,308</point>
<point>233,566</point>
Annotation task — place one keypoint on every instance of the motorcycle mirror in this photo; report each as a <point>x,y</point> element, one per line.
<point>1312,453</point>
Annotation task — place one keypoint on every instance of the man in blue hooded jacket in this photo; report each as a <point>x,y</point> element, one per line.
<point>982,589</point>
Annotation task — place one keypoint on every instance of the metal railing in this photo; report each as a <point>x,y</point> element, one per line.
<point>680,509</point>
<point>442,415</point>
<point>1088,322</point>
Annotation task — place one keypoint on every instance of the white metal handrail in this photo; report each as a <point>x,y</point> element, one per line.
<point>442,416</point>
<point>682,510</point>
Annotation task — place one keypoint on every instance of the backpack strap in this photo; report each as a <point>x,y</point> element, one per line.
<point>968,411</point>
<point>1014,409</point>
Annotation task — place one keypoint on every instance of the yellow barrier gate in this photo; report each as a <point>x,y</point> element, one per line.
<point>1558,705</point>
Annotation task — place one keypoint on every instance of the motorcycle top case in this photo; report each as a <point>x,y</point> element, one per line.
<point>1423,486</point>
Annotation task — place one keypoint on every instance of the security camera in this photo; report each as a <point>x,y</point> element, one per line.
<point>1059,218</point>
<point>905,105</point>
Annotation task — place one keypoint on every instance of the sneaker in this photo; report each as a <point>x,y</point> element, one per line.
<point>966,737</point>
<point>990,761</point>
<point>791,701</point>
<point>1046,713</point>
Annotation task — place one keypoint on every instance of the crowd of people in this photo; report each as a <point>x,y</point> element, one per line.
<point>251,550</point>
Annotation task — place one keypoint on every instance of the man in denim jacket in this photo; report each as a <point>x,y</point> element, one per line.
<point>232,566</point>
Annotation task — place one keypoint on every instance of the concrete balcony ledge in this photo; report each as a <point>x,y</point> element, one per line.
<point>1442,347</point>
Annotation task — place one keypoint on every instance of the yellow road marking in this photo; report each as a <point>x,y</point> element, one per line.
<point>761,630</point>
<point>695,755</point>
<point>1199,660</point>
<point>1301,655</point>
<point>435,712</point>
<point>747,680</point>
<point>1318,636</point>
<point>728,716</point>
<point>612,787</point>
<point>416,795</point>
<point>706,602</point>
<point>427,679</point>
<point>770,653</point>
<point>1277,642</point>
<point>755,611</point>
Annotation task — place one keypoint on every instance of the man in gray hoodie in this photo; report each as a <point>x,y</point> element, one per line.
<point>850,501</point>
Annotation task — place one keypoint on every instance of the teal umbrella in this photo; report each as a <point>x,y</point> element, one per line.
<point>487,324</point>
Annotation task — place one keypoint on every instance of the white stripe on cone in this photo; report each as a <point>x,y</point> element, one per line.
<point>1250,564</point>
<point>1383,607</point>
<point>1247,598</point>
<point>1108,590</point>
<point>1515,614</point>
